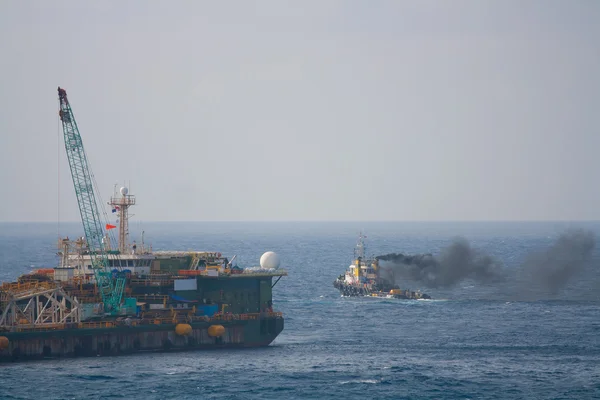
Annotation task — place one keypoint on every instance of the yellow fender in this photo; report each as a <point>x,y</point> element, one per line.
<point>183,329</point>
<point>216,330</point>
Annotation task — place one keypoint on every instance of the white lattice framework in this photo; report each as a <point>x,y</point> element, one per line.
<point>37,305</point>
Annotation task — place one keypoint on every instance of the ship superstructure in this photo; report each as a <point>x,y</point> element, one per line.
<point>366,277</point>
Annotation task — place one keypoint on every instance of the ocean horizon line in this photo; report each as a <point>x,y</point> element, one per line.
<point>458,221</point>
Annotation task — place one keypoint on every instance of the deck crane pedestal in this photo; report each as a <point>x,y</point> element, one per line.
<point>109,285</point>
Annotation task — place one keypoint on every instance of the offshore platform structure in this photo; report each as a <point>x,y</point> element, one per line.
<point>109,286</point>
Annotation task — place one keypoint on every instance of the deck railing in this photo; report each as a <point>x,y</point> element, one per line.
<point>26,286</point>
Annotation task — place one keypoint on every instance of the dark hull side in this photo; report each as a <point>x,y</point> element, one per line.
<point>136,339</point>
<point>351,290</point>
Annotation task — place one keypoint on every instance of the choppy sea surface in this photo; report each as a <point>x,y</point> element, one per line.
<point>473,341</point>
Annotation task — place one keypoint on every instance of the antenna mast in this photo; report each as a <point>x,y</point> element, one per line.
<point>121,204</point>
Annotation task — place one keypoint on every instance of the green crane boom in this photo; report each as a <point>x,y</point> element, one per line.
<point>110,288</point>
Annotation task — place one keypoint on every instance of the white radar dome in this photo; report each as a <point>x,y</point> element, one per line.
<point>124,191</point>
<point>269,260</point>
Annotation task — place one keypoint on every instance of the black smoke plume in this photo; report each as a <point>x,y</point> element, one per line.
<point>550,269</point>
<point>457,262</point>
<point>553,268</point>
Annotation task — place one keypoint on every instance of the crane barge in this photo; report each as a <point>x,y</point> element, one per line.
<point>102,300</point>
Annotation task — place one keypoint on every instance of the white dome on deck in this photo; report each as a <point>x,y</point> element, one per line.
<point>269,260</point>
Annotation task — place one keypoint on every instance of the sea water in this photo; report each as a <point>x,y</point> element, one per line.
<point>472,341</point>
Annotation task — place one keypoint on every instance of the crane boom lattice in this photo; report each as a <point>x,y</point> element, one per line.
<point>110,288</point>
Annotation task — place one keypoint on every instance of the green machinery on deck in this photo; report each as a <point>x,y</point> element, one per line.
<point>110,288</point>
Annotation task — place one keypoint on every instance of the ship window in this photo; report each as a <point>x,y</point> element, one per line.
<point>130,263</point>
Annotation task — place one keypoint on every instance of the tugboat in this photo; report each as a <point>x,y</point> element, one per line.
<point>364,278</point>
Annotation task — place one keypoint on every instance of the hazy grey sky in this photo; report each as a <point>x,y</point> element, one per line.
<point>306,110</point>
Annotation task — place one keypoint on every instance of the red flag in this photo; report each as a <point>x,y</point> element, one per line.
<point>109,226</point>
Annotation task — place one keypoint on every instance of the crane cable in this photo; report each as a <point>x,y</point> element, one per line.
<point>58,130</point>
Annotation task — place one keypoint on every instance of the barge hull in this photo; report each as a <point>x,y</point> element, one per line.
<point>68,343</point>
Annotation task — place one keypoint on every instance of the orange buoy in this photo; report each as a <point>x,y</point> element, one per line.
<point>216,330</point>
<point>183,329</point>
<point>4,342</point>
